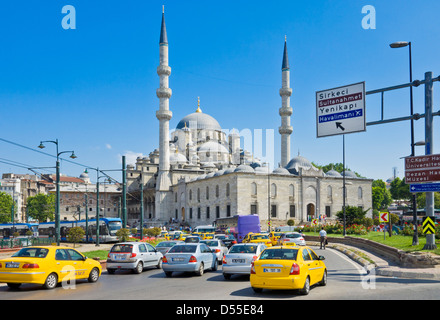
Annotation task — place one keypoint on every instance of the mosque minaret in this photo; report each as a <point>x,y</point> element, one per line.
<point>285,129</point>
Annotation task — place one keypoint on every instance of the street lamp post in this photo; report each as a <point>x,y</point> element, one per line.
<point>57,184</point>
<point>401,44</point>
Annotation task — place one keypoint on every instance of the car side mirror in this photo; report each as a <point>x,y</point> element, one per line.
<point>321,258</point>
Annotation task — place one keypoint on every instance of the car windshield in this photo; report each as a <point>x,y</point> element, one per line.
<point>293,235</point>
<point>279,254</point>
<point>230,236</point>
<point>119,248</point>
<point>210,243</point>
<point>259,236</point>
<point>183,249</point>
<point>32,252</point>
<point>243,249</point>
<point>277,234</point>
<point>192,239</point>
<point>165,244</point>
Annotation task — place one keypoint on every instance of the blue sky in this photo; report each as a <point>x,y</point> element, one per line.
<point>94,88</point>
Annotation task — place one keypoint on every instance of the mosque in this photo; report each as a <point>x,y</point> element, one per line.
<point>199,173</point>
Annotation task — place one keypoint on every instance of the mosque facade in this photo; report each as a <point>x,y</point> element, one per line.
<point>199,173</point>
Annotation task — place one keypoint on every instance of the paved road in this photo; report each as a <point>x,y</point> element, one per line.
<point>346,280</point>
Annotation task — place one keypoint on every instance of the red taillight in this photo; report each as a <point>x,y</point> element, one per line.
<point>234,242</point>
<point>224,260</point>
<point>164,260</point>
<point>295,269</point>
<point>254,258</point>
<point>30,266</point>
<point>192,259</point>
<point>217,250</point>
<point>133,255</point>
<point>252,268</point>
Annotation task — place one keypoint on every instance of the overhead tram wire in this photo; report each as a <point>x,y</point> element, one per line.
<point>53,156</point>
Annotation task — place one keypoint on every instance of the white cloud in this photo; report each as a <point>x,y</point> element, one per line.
<point>108,146</point>
<point>130,157</point>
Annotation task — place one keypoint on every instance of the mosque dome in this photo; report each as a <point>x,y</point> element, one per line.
<point>199,120</point>
<point>281,170</point>
<point>298,162</point>
<point>213,147</point>
<point>333,173</point>
<point>350,174</point>
<point>244,168</point>
<point>176,158</point>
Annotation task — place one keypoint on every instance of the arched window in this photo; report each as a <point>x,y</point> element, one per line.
<point>190,195</point>
<point>253,189</point>
<point>359,193</point>
<point>273,190</point>
<point>207,193</point>
<point>227,190</point>
<point>198,194</point>
<point>291,190</point>
<point>217,191</point>
<point>329,191</point>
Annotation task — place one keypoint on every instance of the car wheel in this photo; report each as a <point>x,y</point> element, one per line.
<point>200,271</point>
<point>215,266</point>
<point>168,274</point>
<point>139,268</point>
<point>94,275</point>
<point>227,276</point>
<point>51,281</point>
<point>324,279</point>
<point>159,264</point>
<point>306,289</point>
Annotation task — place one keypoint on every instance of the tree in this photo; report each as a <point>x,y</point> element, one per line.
<point>41,207</point>
<point>6,203</point>
<point>399,189</point>
<point>421,200</point>
<point>75,235</point>
<point>381,195</point>
<point>353,215</point>
<point>123,234</point>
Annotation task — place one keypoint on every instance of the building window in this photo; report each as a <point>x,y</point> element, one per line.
<point>207,193</point>
<point>273,211</point>
<point>207,212</point>
<point>198,194</point>
<point>190,195</point>
<point>217,212</point>
<point>359,193</point>
<point>228,210</point>
<point>217,191</point>
<point>273,190</point>
<point>198,213</point>
<point>292,211</point>
<point>227,189</point>
<point>254,209</point>
<point>191,213</point>
<point>253,189</point>
<point>327,212</point>
<point>329,192</point>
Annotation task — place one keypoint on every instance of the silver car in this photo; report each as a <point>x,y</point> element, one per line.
<point>240,257</point>
<point>218,247</point>
<point>133,256</point>
<point>292,238</point>
<point>164,246</point>
<point>189,257</point>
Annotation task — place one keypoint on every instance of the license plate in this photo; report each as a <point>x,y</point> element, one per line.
<point>177,259</point>
<point>238,260</point>
<point>276,270</point>
<point>119,257</point>
<point>12,265</point>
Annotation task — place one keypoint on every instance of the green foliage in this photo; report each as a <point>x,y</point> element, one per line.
<point>75,235</point>
<point>353,215</point>
<point>381,195</point>
<point>123,234</point>
<point>291,222</point>
<point>6,203</point>
<point>421,200</point>
<point>399,189</point>
<point>41,207</point>
<point>152,232</point>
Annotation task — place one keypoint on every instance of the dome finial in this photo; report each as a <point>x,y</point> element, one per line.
<point>198,105</point>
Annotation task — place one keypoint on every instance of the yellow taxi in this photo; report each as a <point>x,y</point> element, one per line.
<point>48,266</point>
<point>293,267</point>
<point>260,238</point>
<point>274,237</point>
<point>207,236</point>
<point>247,237</point>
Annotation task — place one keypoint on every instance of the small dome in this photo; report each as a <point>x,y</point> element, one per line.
<point>219,173</point>
<point>244,168</point>
<point>298,162</point>
<point>349,174</point>
<point>176,157</point>
<point>333,173</point>
<point>281,170</point>
<point>213,147</point>
<point>264,170</point>
<point>229,170</point>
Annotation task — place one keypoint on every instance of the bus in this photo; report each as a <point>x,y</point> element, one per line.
<point>204,229</point>
<point>7,230</point>
<point>239,225</point>
<point>107,229</point>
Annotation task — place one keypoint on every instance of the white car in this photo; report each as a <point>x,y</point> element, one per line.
<point>133,256</point>
<point>240,258</point>
<point>292,238</point>
<point>218,247</point>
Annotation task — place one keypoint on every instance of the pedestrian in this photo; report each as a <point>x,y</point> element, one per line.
<point>323,235</point>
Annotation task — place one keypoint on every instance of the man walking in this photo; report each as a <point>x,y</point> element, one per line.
<point>323,235</point>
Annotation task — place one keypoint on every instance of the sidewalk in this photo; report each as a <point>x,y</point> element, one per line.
<point>384,266</point>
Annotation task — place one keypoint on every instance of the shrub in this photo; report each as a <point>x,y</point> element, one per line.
<point>75,235</point>
<point>123,234</point>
